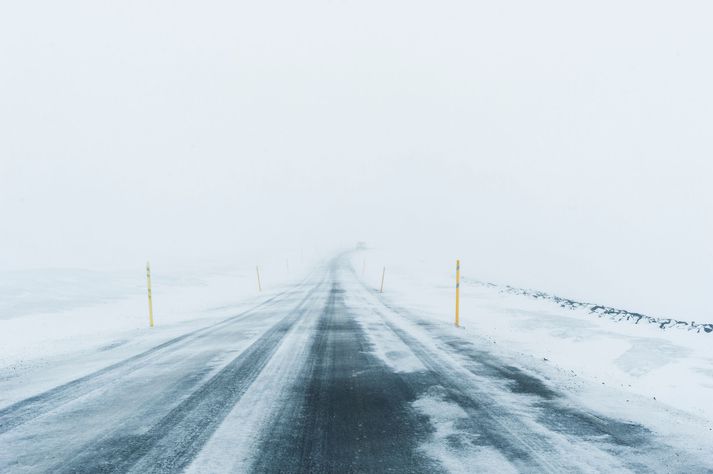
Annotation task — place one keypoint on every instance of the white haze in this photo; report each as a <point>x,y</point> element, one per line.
<point>563,146</point>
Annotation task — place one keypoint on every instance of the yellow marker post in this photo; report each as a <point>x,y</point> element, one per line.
<point>457,293</point>
<point>148,283</point>
<point>259,286</point>
<point>382,280</point>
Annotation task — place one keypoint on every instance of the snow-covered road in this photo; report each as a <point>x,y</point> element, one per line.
<point>323,377</point>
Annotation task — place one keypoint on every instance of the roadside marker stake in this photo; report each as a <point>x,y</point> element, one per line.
<point>259,286</point>
<point>382,280</point>
<point>457,293</point>
<point>148,284</point>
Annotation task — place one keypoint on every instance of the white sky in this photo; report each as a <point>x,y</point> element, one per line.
<point>564,145</point>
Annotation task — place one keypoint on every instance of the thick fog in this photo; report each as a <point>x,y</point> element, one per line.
<point>563,146</point>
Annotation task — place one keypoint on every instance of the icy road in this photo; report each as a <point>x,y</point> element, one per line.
<point>324,377</point>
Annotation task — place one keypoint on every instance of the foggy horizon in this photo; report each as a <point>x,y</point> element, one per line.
<point>552,146</point>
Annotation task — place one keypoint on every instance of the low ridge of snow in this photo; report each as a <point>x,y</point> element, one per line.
<point>600,310</point>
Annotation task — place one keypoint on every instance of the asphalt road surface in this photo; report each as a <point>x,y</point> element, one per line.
<point>324,377</point>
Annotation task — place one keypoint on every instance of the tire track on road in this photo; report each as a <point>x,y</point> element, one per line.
<point>350,414</point>
<point>170,444</point>
<point>30,408</point>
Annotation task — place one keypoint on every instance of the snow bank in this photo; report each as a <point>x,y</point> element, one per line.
<point>601,311</point>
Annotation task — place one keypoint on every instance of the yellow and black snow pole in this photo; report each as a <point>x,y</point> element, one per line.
<point>148,284</point>
<point>457,293</point>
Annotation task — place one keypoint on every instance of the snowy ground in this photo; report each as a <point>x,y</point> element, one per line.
<point>59,316</point>
<point>323,373</point>
<point>661,377</point>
